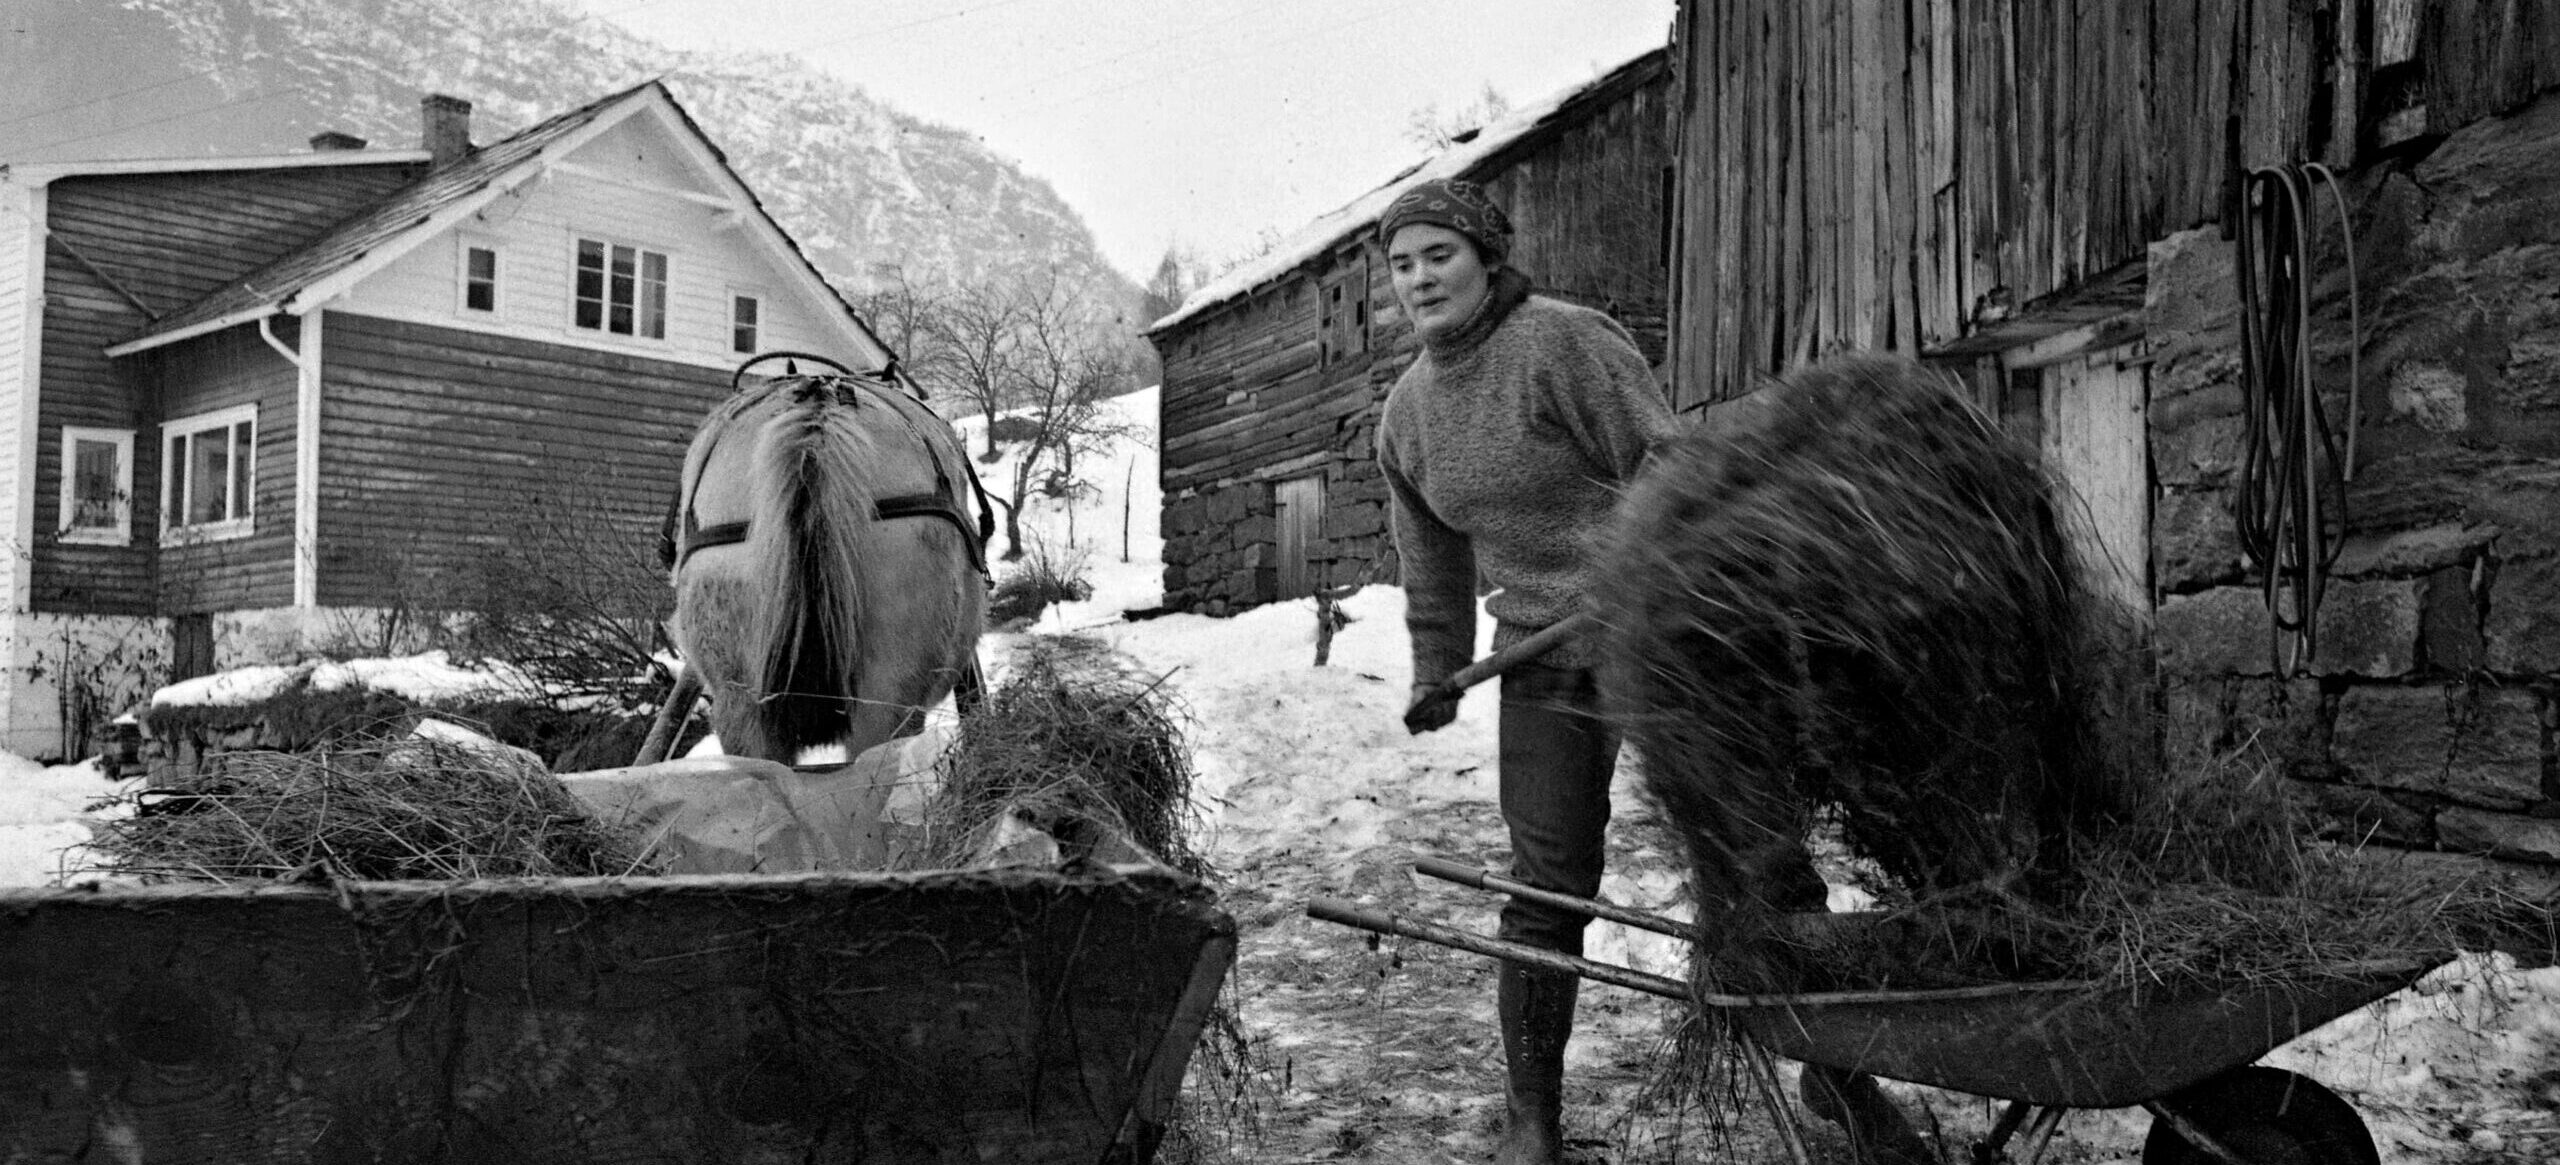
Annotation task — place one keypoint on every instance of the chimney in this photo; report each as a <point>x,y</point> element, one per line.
<point>447,124</point>
<point>330,140</point>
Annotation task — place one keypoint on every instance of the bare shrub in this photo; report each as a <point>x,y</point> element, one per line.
<point>1045,575</point>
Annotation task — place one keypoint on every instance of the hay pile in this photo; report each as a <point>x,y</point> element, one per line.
<point>1079,745</point>
<point>1855,611</point>
<point>403,808</point>
<point>1860,598</point>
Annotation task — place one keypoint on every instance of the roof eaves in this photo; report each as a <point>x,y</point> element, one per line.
<point>40,173</point>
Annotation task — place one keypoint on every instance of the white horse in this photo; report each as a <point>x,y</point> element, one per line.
<point>830,586</point>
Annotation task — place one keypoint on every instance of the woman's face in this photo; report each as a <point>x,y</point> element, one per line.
<point>1440,280</point>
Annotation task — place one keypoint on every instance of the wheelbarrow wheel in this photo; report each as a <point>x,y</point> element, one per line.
<point>2268,1116</point>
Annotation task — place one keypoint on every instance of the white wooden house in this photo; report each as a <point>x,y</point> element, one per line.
<point>229,386</point>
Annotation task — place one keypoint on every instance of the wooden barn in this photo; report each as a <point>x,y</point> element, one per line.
<point>1273,374</point>
<point>243,400</point>
<point>2047,199</point>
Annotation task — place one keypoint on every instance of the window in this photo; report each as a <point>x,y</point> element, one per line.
<point>479,279</point>
<point>622,290</point>
<point>1342,313</point>
<point>746,312</point>
<point>97,485</point>
<point>209,474</point>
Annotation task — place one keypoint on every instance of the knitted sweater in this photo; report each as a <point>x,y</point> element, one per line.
<point>1504,448</point>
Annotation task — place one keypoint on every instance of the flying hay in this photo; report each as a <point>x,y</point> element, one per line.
<point>1859,597</point>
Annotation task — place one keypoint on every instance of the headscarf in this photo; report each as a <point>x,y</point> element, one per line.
<point>1457,204</point>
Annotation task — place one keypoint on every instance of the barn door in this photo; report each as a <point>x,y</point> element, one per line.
<point>2093,437</point>
<point>1299,512</point>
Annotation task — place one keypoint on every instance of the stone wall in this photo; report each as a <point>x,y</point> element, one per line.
<point>1222,542</point>
<point>2427,716</point>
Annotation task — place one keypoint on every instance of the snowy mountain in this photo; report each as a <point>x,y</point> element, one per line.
<point>864,187</point>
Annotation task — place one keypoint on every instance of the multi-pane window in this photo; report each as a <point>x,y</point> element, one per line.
<point>621,289</point>
<point>97,485</point>
<point>209,473</point>
<point>480,279</point>
<point>746,320</point>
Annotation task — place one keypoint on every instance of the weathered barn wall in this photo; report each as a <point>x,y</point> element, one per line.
<point>1285,383</point>
<point>2428,713</point>
<point>1951,173</point>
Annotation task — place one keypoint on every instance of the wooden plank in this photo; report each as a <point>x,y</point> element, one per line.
<point>1945,173</point>
<point>2095,441</point>
<point>1015,1016</point>
<point>1723,304</point>
<point>1899,330</point>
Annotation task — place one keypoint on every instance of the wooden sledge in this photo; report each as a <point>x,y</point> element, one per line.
<point>990,1015</point>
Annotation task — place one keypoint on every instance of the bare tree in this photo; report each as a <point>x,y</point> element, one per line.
<point>902,313</point>
<point>1067,363</point>
<point>1435,131</point>
<point>978,330</point>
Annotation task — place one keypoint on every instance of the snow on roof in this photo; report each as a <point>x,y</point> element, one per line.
<point>1332,229</point>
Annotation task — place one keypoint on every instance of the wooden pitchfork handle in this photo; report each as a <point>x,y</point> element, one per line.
<point>1447,691</point>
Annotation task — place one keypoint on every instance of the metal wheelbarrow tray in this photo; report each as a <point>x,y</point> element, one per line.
<point>2184,1053</point>
<point>1021,1015</point>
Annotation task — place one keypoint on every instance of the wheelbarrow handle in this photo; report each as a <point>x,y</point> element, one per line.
<point>1389,922</point>
<point>1465,875</point>
<point>1456,684</point>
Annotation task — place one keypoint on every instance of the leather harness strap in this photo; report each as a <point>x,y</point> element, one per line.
<point>675,547</point>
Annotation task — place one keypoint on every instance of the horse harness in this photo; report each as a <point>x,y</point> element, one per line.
<point>680,536</point>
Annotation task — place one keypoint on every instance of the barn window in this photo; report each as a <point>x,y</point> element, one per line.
<point>621,289</point>
<point>746,315</point>
<point>97,485</point>
<point>480,279</point>
<point>209,474</point>
<point>1342,312</point>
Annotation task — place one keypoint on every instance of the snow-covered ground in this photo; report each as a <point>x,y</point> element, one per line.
<point>1309,787</point>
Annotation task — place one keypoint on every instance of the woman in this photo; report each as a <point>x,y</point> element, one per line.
<point>1504,447</point>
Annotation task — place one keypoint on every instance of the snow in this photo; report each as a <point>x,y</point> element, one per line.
<point>1330,229</point>
<point>426,677</point>
<point>1308,786</point>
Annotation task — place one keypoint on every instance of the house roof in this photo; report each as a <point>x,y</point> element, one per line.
<point>303,279</point>
<point>40,173</point>
<point>1467,158</point>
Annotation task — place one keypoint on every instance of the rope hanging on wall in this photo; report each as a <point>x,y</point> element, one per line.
<point>2292,504</point>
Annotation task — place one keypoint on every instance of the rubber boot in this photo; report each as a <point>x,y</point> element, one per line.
<point>1878,1134</point>
<point>1537,1018</point>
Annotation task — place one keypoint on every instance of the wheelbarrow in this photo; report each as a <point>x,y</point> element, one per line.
<point>2187,1056</point>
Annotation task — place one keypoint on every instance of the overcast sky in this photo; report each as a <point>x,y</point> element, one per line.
<point>1202,122</point>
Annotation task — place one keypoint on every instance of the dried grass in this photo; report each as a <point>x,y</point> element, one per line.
<point>1858,609</point>
<point>1862,599</point>
<point>410,808</point>
<point>1082,746</point>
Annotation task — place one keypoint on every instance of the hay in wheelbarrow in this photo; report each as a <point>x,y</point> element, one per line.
<point>1856,610</point>
<point>1859,598</point>
<point>1077,744</point>
<point>394,808</point>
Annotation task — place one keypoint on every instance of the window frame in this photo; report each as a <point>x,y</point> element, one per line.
<point>640,255</point>
<point>121,534</point>
<point>241,516</point>
<point>756,327</point>
<point>462,279</point>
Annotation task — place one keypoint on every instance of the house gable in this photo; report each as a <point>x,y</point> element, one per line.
<point>636,184</point>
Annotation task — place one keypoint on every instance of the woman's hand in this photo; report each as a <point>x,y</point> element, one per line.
<point>1430,709</point>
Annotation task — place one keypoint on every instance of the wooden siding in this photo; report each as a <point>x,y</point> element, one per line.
<point>21,263</point>
<point>433,438</point>
<point>125,248</point>
<point>1906,176</point>
<point>534,233</point>
<point>226,369</point>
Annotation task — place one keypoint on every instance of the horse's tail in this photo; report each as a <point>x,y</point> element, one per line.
<point>812,514</point>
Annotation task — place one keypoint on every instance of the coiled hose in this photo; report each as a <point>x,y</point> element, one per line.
<point>2292,505</point>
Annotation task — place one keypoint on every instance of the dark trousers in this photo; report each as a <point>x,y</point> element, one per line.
<point>1556,755</point>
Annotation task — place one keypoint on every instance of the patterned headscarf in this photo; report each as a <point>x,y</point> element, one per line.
<point>1457,204</point>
